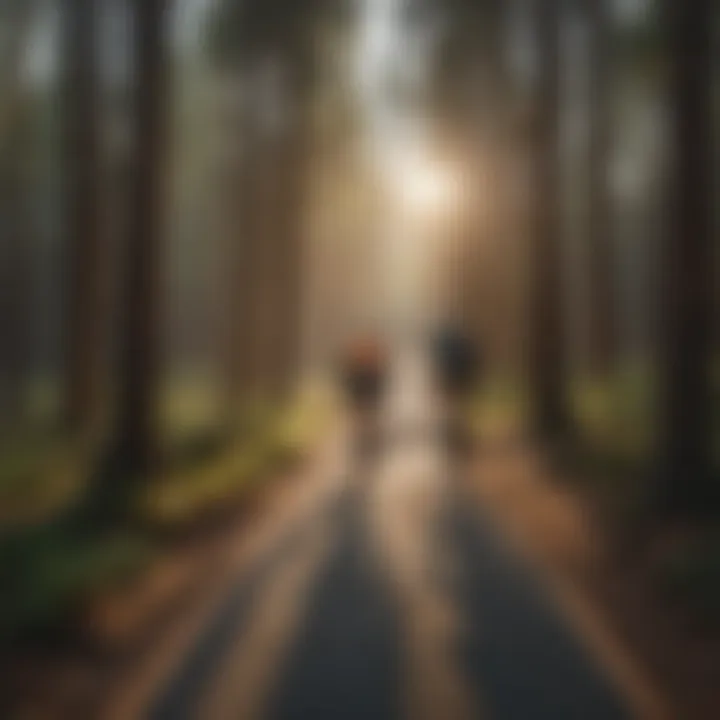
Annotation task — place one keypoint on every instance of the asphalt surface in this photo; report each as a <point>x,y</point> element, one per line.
<point>394,598</point>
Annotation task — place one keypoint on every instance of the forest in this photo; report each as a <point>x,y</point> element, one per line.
<point>202,202</point>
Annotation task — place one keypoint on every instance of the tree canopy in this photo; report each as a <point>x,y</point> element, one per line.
<point>240,30</point>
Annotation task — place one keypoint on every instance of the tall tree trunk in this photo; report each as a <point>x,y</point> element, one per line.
<point>263,267</point>
<point>547,336</point>
<point>141,333</point>
<point>279,262</point>
<point>275,216</point>
<point>239,278</point>
<point>15,247</point>
<point>602,331</point>
<point>295,262</point>
<point>292,241</point>
<point>15,273</point>
<point>688,258</point>
<point>84,251</point>
<point>302,72</point>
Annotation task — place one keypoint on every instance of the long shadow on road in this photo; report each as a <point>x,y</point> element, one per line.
<point>519,653</point>
<point>181,696</point>
<point>344,663</point>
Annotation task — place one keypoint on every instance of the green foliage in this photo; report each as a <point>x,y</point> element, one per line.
<point>240,30</point>
<point>48,572</point>
<point>188,409</point>
<point>39,473</point>
<point>498,407</point>
<point>51,567</point>
<point>613,435</point>
<point>268,438</point>
<point>611,447</point>
<point>616,415</point>
<point>182,498</point>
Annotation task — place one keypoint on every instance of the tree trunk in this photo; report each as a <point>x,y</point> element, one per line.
<point>141,332</point>
<point>84,251</point>
<point>688,259</point>
<point>279,263</point>
<point>292,243</point>
<point>547,336</point>
<point>263,268</point>
<point>239,278</point>
<point>602,331</point>
<point>302,73</point>
<point>15,246</point>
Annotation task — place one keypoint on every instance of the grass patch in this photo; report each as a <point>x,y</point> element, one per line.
<point>616,416</point>
<point>308,418</point>
<point>499,406</point>
<point>189,408</point>
<point>183,497</point>
<point>40,473</point>
<point>270,439</point>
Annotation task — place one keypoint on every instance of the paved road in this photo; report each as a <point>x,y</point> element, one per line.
<point>392,598</point>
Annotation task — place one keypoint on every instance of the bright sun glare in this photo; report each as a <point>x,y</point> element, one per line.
<point>426,187</point>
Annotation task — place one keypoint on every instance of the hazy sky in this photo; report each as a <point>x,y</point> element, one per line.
<point>392,60</point>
